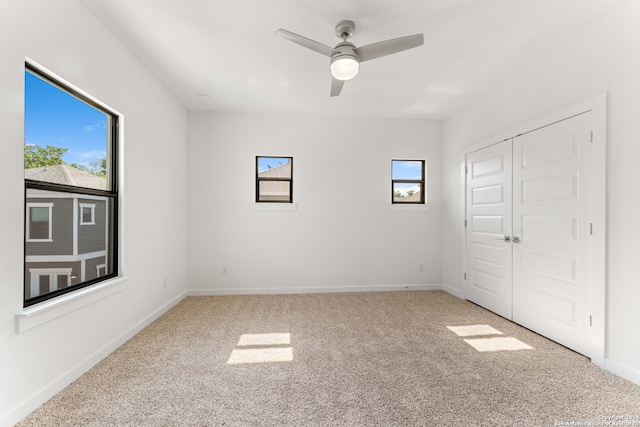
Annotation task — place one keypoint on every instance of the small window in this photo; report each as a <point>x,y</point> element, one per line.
<point>39,220</point>
<point>274,179</point>
<point>407,181</point>
<point>87,214</point>
<point>101,270</point>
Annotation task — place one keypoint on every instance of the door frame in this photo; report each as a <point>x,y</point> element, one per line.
<point>597,105</point>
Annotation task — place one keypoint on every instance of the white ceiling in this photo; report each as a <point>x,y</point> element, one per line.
<point>228,50</point>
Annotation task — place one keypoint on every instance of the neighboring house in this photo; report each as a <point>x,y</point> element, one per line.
<point>65,234</point>
<point>275,190</point>
<point>414,198</point>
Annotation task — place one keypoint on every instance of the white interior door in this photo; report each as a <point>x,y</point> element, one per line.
<point>551,218</point>
<point>488,221</point>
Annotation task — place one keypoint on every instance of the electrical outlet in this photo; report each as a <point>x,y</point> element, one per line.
<point>225,271</point>
<point>421,268</point>
<point>164,282</point>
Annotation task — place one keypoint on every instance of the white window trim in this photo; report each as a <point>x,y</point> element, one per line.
<point>409,207</point>
<point>28,231</point>
<point>51,309</point>
<point>91,206</point>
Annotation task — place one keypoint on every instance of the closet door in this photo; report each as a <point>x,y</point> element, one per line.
<point>551,231</point>
<point>488,221</point>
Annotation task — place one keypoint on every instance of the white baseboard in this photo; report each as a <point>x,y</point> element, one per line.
<point>622,371</point>
<point>453,291</point>
<point>47,392</point>
<point>315,290</point>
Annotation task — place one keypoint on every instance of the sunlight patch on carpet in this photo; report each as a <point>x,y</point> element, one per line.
<point>497,344</point>
<point>261,355</point>
<point>474,330</point>
<point>264,339</point>
<point>265,348</point>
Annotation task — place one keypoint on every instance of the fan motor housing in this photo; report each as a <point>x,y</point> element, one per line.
<point>345,49</point>
<point>345,29</point>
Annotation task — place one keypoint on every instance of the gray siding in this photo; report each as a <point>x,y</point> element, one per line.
<point>91,238</point>
<point>62,229</point>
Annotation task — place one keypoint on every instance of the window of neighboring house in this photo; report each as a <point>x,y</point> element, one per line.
<point>45,280</point>
<point>70,180</point>
<point>407,181</point>
<point>87,214</point>
<point>274,179</point>
<point>39,222</point>
<point>101,270</point>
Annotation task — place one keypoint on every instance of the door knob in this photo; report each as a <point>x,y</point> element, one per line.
<point>516,239</point>
<point>505,238</point>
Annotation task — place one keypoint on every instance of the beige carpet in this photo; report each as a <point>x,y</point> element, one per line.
<point>369,359</point>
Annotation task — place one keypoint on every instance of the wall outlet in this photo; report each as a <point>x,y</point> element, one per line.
<point>421,268</point>
<point>225,271</point>
<point>164,282</point>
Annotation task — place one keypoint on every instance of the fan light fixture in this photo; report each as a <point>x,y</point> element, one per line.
<point>345,56</point>
<point>345,67</point>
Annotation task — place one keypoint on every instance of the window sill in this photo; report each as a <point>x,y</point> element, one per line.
<point>46,311</point>
<point>397,207</point>
<point>275,206</point>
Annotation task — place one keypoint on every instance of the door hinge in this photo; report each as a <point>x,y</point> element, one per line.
<point>465,276</point>
<point>466,170</point>
<point>465,223</point>
<point>590,320</point>
<point>591,228</point>
<point>592,137</point>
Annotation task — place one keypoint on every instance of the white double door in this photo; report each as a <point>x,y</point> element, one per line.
<point>528,230</point>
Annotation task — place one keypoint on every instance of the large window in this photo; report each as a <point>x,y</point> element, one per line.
<point>407,181</point>
<point>274,179</point>
<point>70,189</point>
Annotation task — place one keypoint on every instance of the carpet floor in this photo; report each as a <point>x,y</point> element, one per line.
<point>354,359</point>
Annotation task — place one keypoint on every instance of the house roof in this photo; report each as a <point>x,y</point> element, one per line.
<point>68,175</point>
<point>415,197</point>
<point>283,171</point>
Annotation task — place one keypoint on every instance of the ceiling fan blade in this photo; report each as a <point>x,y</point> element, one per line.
<point>336,86</point>
<point>387,47</point>
<point>305,42</point>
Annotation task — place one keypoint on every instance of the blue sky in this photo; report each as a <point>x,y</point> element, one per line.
<point>53,117</point>
<point>273,162</point>
<point>403,169</point>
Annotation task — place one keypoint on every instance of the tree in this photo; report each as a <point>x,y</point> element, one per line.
<point>36,156</point>
<point>96,167</point>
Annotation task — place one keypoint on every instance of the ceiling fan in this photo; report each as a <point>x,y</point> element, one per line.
<point>345,57</point>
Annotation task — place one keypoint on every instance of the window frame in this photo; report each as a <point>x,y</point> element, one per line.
<point>28,221</point>
<point>274,179</point>
<point>110,194</point>
<point>421,182</point>
<point>91,206</point>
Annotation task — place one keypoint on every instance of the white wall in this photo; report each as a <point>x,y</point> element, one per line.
<point>601,57</point>
<point>343,235</point>
<point>64,37</point>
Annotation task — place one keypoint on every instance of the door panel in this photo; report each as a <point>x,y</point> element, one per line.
<point>551,208</point>
<point>488,221</point>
